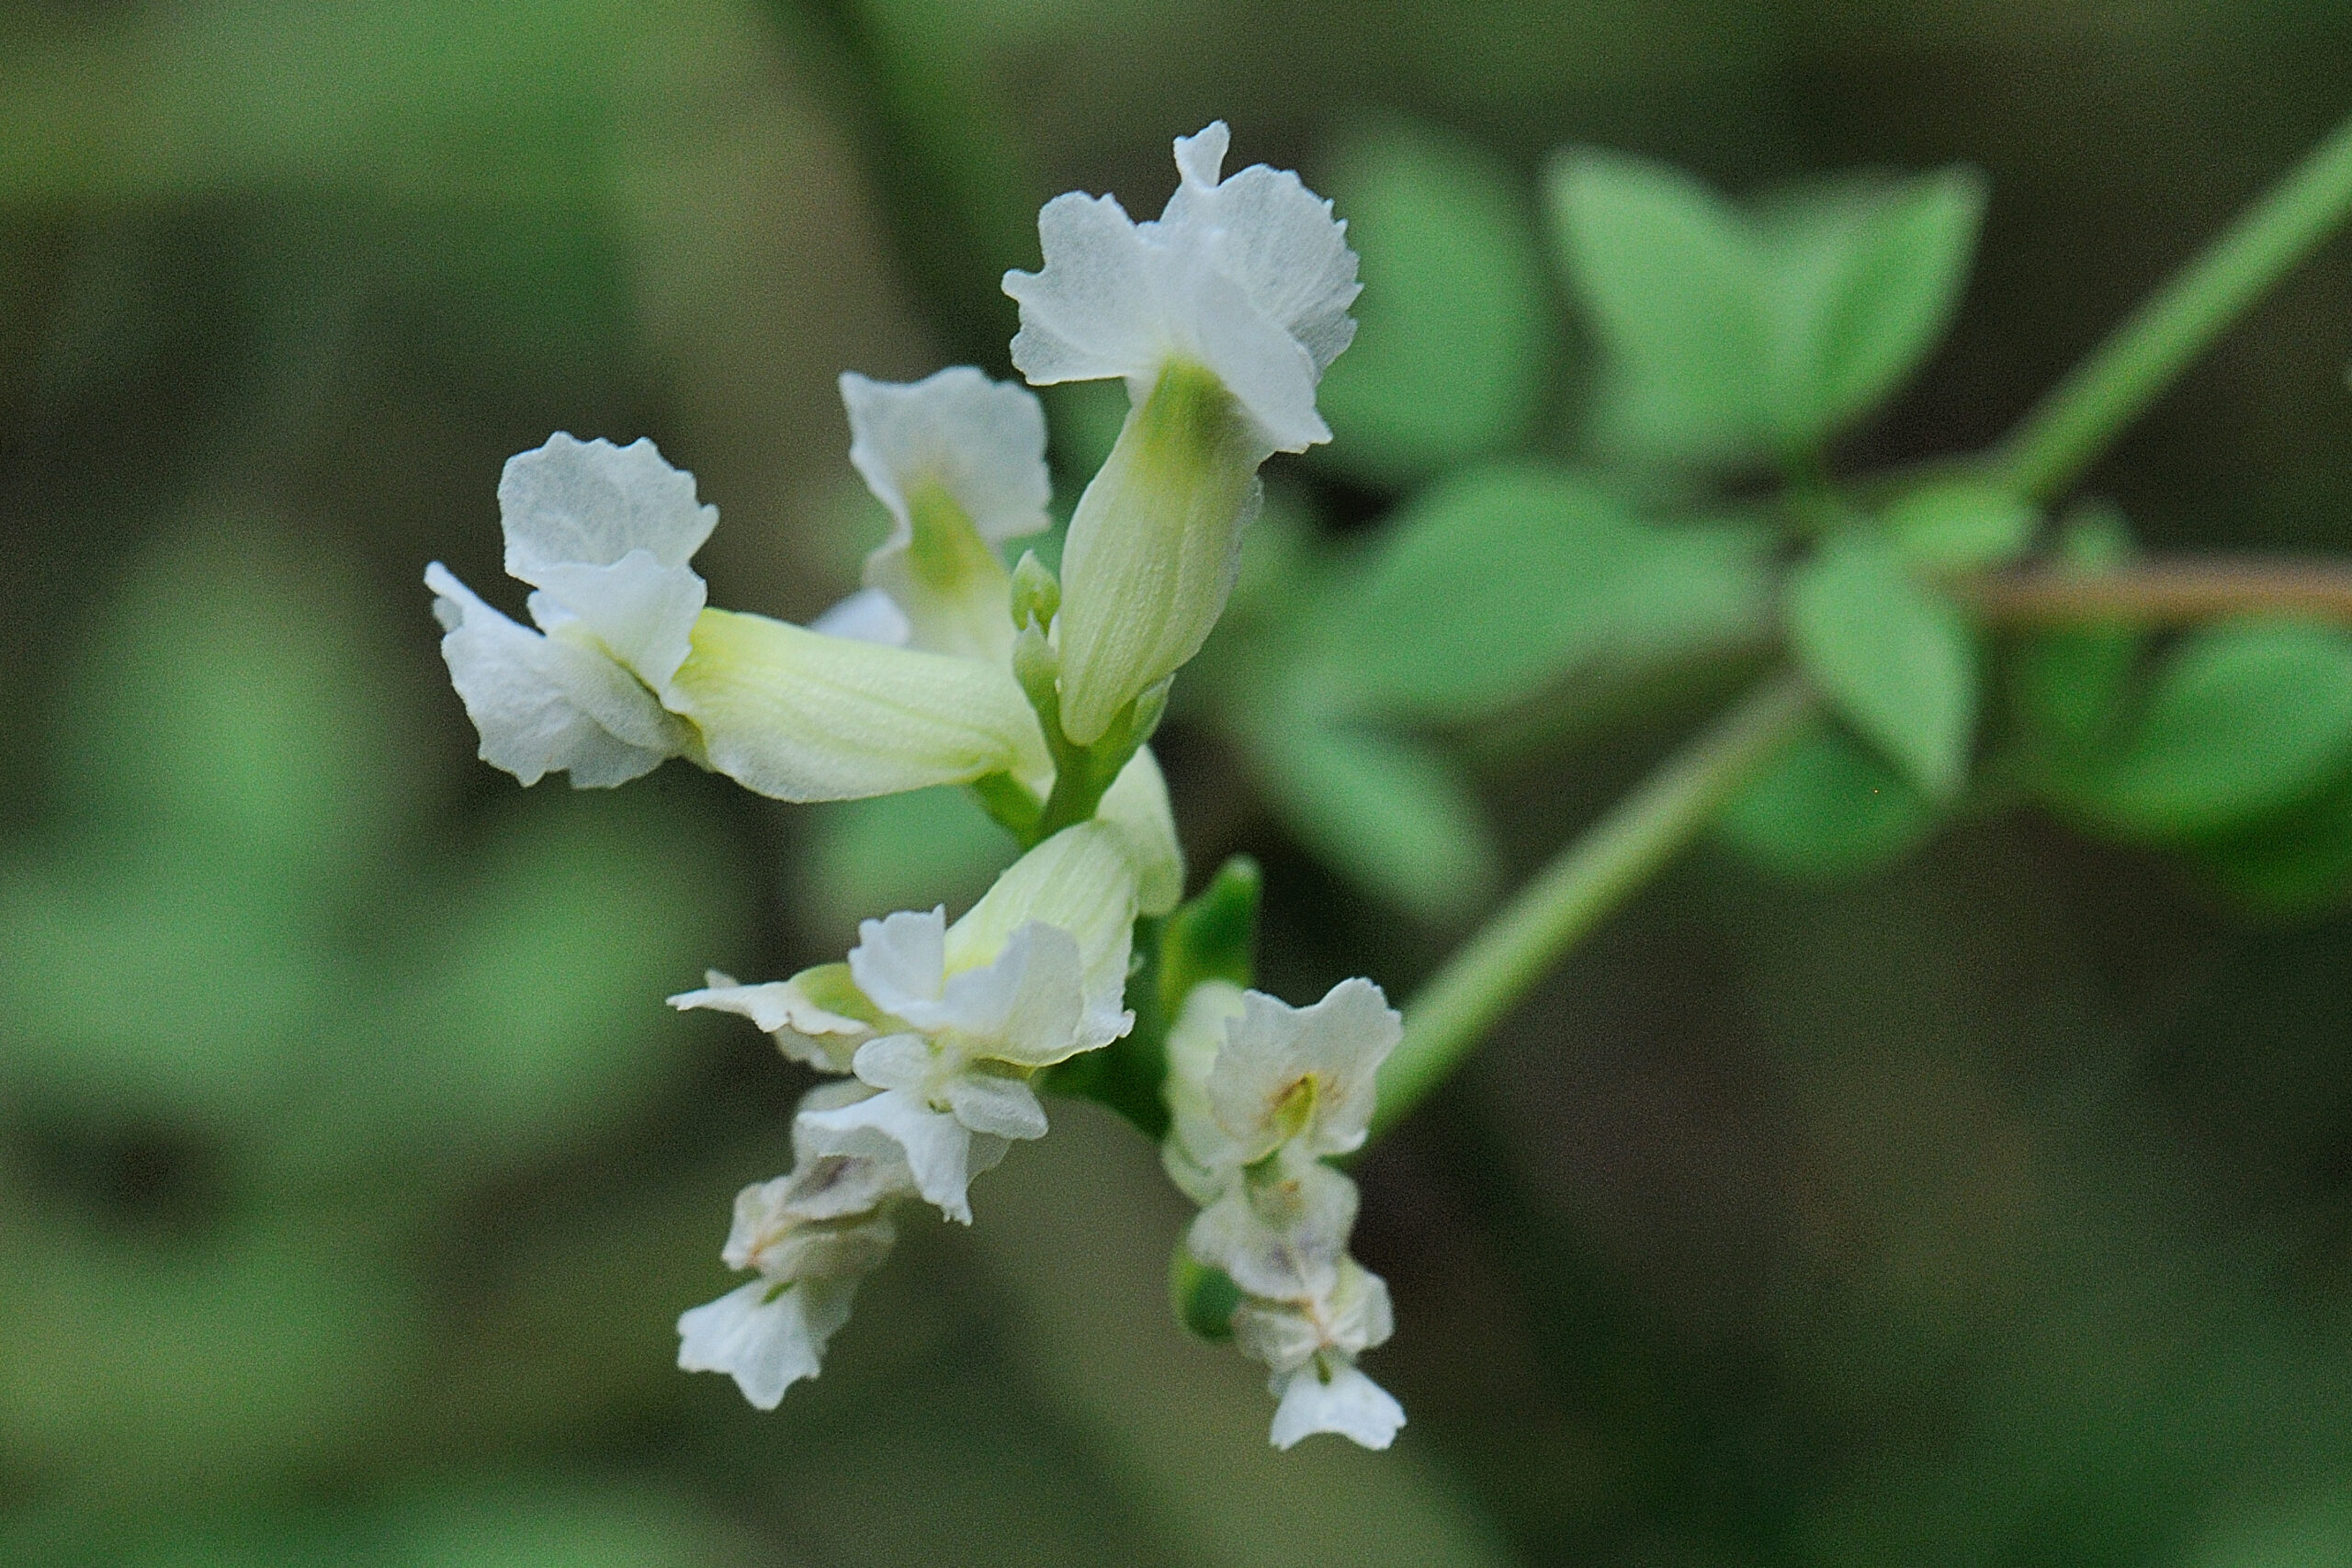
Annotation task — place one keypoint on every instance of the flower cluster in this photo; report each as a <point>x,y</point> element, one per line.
<point>1260,1095</point>
<point>1037,691</point>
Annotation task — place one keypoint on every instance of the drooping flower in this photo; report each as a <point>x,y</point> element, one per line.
<point>628,667</point>
<point>1221,317</point>
<point>1259,1094</point>
<point>1310,1351</point>
<point>810,1236</point>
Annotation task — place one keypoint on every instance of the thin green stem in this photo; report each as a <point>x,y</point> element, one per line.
<point>2071,426</point>
<point>1488,975</point>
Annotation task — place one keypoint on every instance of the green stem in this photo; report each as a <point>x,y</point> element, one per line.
<point>1487,975</point>
<point>2069,428</point>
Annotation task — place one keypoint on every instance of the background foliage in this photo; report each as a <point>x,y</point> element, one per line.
<point>1899,1180</point>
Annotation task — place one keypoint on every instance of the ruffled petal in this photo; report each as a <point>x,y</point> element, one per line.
<point>937,1147</point>
<point>1306,1073</point>
<point>590,502</point>
<point>900,961</point>
<point>803,1029</point>
<point>545,706</point>
<point>1028,1006</point>
<point>981,442</point>
<point>1282,1237</point>
<point>639,611</point>
<point>1004,1106</point>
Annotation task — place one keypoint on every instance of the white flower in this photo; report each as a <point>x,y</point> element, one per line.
<point>628,667</point>
<point>1303,1076</point>
<point>1136,808</point>
<point>1249,277</point>
<point>1279,1229</point>
<point>1310,1347</point>
<point>767,1335</point>
<point>960,462</point>
<point>944,1025</point>
<point>1221,317</point>
<point>604,533</point>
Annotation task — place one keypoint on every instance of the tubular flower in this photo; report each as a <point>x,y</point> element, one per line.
<point>628,667</point>
<point>1221,316</point>
<point>1258,1092</point>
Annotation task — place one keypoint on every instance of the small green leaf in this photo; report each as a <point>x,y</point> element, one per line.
<point>1895,657</point>
<point>1456,322</point>
<point>2244,719</point>
<point>1961,526</point>
<point>1865,277</point>
<point>1501,580</point>
<point>1391,816</point>
<point>1829,809</point>
<point>1672,278</point>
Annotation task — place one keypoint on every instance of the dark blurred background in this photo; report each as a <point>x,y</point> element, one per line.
<point>1996,1209</point>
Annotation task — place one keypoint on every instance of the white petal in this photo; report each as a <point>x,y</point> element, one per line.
<point>591,502</point>
<point>804,1031</point>
<point>1081,880</point>
<point>1274,1051</point>
<point>1200,155</point>
<point>895,1061</point>
<point>983,441</point>
<point>1028,1006</point>
<point>1280,241</point>
<point>900,961</point>
<point>1281,1334</point>
<point>1282,1237</point>
<point>868,615</point>
<point>794,714</point>
<point>1092,311</point>
<point>1136,807</point>
<point>546,706</point>
<point>1193,1042</point>
<point>641,612</point>
<point>937,1147</point>
<point>1004,1106</point>
<point>766,1345</point>
<point>773,1233</point>
<point>1350,1404</point>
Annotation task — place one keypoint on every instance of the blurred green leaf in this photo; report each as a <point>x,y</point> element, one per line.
<point>1455,323</point>
<point>1865,276</point>
<point>153,1375</point>
<point>2290,863</point>
<point>1212,936</point>
<point>1501,580</point>
<point>1389,814</point>
<point>1895,657</point>
<point>1961,526</point>
<point>1730,336</point>
<point>1202,1298</point>
<point>1828,809</point>
<point>1673,280</point>
<point>2243,718</point>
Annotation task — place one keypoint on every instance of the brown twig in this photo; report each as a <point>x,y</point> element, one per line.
<point>2162,592</point>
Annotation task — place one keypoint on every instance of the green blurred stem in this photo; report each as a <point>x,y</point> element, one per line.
<point>2067,431</point>
<point>1488,975</point>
